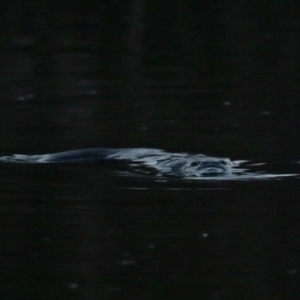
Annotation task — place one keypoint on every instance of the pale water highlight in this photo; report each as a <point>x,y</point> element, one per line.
<point>156,163</point>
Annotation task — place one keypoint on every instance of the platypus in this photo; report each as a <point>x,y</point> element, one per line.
<point>140,160</point>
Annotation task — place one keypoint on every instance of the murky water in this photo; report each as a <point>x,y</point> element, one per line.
<point>196,108</point>
<point>93,232</point>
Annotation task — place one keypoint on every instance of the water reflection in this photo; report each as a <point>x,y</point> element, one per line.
<point>157,164</point>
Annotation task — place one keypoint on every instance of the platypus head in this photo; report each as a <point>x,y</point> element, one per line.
<point>209,167</point>
<point>195,167</point>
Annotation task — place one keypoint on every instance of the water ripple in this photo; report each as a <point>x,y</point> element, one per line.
<point>158,164</point>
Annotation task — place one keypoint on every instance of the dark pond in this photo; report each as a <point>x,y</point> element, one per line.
<point>218,79</point>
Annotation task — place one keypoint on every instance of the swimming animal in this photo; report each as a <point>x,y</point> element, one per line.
<point>140,160</point>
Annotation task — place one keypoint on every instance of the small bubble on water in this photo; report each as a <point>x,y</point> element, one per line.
<point>151,246</point>
<point>127,262</point>
<point>25,97</point>
<point>204,234</point>
<point>93,92</point>
<point>265,113</point>
<point>73,285</point>
<point>292,271</point>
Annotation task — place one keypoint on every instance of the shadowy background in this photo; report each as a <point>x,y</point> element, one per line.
<point>209,77</point>
<point>213,77</point>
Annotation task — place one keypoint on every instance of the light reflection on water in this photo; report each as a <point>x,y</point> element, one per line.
<point>224,177</point>
<point>158,165</point>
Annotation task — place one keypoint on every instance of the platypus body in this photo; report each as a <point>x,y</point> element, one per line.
<point>141,160</point>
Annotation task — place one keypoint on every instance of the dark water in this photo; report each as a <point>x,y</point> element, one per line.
<point>220,79</point>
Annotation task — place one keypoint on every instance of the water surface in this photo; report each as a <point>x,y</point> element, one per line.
<point>208,80</point>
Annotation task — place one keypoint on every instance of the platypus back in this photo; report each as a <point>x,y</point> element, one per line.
<point>139,160</point>
<point>82,155</point>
